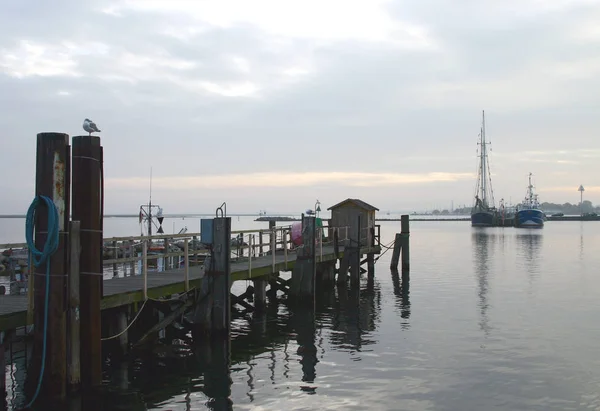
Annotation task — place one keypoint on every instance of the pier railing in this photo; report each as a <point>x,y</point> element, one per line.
<point>131,255</point>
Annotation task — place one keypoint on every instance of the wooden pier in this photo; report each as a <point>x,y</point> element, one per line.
<point>129,289</point>
<point>99,305</point>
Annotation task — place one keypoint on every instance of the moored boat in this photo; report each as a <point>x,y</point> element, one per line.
<point>528,213</point>
<point>484,213</point>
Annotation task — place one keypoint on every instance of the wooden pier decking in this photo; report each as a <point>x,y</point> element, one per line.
<point>121,291</point>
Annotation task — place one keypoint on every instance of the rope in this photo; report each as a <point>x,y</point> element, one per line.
<point>387,248</point>
<point>39,258</point>
<point>129,326</point>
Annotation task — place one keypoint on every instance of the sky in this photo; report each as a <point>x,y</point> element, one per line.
<point>271,104</point>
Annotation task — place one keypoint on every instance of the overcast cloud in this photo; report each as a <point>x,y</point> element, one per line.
<point>272,104</point>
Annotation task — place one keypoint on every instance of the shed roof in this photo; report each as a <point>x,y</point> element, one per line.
<point>356,202</point>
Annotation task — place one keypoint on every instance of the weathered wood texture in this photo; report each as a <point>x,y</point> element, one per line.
<point>260,293</point>
<point>405,227</point>
<point>73,318</point>
<point>221,270</point>
<point>396,253</point>
<point>87,209</point>
<point>52,180</point>
<point>346,213</point>
<point>304,272</point>
<point>2,371</point>
<point>371,264</point>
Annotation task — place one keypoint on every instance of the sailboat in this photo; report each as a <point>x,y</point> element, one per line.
<point>483,213</point>
<point>528,212</point>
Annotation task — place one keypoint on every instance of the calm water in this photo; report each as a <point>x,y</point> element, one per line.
<point>492,318</point>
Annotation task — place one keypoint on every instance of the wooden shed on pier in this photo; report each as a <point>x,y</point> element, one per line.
<point>347,213</point>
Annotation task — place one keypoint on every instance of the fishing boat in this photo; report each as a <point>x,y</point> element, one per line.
<point>528,213</point>
<point>484,213</point>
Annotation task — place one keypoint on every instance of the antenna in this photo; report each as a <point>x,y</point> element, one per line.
<point>150,184</point>
<point>150,206</point>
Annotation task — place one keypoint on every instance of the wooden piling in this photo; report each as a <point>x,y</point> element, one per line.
<point>88,209</point>
<point>370,264</point>
<point>327,272</point>
<point>405,231</point>
<point>304,273</point>
<point>342,278</point>
<point>121,327</point>
<point>260,293</point>
<point>2,370</point>
<point>53,168</point>
<point>396,253</point>
<point>221,276</point>
<point>73,325</point>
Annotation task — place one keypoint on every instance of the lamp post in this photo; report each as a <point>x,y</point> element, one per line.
<point>581,190</point>
<point>317,208</point>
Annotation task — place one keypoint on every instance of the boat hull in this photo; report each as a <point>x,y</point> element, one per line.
<point>530,218</point>
<point>482,219</point>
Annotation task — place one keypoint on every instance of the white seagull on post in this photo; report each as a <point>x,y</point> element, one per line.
<point>90,126</point>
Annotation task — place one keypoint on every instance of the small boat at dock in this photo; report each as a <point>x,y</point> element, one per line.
<point>528,213</point>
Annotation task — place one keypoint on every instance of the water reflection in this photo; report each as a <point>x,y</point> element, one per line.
<point>483,244</point>
<point>284,345</point>
<point>581,241</point>
<point>355,314</point>
<point>529,247</point>
<point>402,291</point>
<point>303,319</point>
<point>215,359</point>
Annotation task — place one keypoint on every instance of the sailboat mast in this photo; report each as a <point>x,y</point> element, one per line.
<point>483,161</point>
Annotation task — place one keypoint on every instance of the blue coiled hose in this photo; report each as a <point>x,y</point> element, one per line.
<point>39,258</point>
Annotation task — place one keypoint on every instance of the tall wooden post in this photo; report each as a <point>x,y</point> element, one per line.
<point>87,208</point>
<point>371,265</point>
<point>273,245</point>
<point>53,172</point>
<point>396,253</point>
<point>405,231</point>
<point>304,273</point>
<point>221,274</point>
<point>2,372</point>
<point>260,293</point>
<point>74,326</point>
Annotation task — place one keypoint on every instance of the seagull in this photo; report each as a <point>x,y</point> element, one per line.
<point>90,126</point>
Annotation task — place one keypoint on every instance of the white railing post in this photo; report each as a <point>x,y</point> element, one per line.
<point>250,239</point>
<point>285,248</point>
<point>186,264</point>
<point>145,267</point>
<point>273,247</point>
